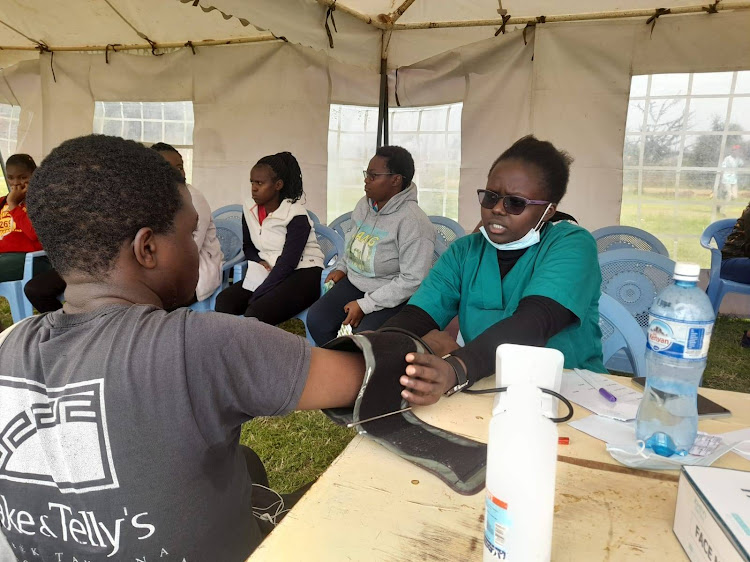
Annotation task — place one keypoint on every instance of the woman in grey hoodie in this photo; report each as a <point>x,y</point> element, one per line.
<point>389,250</point>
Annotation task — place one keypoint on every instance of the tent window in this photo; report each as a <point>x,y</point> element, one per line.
<point>432,135</point>
<point>149,123</point>
<point>687,144</point>
<point>8,135</point>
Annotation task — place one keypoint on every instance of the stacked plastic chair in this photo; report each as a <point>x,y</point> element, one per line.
<point>717,233</point>
<point>447,231</point>
<point>342,224</point>
<point>621,335</point>
<point>627,237</point>
<point>633,278</point>
<point>20,307</point>
<point>228,222</point>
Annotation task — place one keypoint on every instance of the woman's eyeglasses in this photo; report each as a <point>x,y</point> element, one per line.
<point>372,175</point>
<point>513,204</point>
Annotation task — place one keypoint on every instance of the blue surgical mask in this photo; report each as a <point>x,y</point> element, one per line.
<point>529,239</point>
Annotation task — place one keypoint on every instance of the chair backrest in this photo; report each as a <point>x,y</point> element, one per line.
<point>228,221</point>
<point>330,243</point>
<point>342,224</point>
<point>633,278</point>
<point>621,331</point>
<point>313,216</point>
<point>627,237</point>
<point>446,229</point>
<point>717,232</point>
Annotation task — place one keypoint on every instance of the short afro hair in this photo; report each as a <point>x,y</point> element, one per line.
<point>93,193</point>
<point>399,162</point>
<point>553,164</point>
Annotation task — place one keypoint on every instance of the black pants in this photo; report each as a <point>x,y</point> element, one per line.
<point>44,289</point>
<point>327,314</point>
<point>287,299</point>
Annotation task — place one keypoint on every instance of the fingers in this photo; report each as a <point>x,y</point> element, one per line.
<point>329,278</point>
<point>355,321</point>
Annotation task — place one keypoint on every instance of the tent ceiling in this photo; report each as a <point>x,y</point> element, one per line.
<point>82,23</point>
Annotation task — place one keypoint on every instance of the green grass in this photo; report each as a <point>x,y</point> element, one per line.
<point>299,447</point>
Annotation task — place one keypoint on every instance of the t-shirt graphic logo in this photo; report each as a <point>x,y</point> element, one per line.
<point>55,436</point>
<point>362,249</point>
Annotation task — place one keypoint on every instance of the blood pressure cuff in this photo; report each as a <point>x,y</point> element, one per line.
<point>456,460</point>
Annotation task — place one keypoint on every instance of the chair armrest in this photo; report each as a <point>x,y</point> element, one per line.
<point>28,266</point>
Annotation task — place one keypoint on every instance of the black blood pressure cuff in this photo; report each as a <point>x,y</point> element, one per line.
<point>456,460</point>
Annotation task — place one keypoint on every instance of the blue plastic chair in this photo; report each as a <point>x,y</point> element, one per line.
<point>627,237</point>
<point>633,278</point>
<point>621,334</point>
<point>447,231</point>
<point>314,217</point>
<point>20,307</point>
<point>342,224</point>
<point>718,287</point>
<point>332,246</point>
<point>228,222</point>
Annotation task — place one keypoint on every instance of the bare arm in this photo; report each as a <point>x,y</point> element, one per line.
<point>333,381</point>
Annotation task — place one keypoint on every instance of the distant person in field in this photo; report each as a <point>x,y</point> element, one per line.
<point>729,176</point>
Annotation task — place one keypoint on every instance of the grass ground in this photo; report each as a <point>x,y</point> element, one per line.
<point>299,447</point>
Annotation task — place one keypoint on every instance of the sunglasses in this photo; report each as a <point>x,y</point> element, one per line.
<point>513,204</point>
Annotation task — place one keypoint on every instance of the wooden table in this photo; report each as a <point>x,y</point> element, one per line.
<point>372,505</point>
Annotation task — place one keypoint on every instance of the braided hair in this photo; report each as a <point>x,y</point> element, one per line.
<point>21,160</point>
<point>286,168</point>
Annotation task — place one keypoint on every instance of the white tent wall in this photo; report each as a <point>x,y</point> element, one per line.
<point>21,85</point>
<point>252,100</point>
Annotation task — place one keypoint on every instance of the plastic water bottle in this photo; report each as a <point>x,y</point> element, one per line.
<point>681,320</point>
<point>521,462</point>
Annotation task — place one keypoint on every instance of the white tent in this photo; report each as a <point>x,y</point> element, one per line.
<point>555,69</point>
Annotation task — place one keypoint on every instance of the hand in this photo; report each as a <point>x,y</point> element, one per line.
<point>427,378</point>
<point>265,264</point>
<point>335,276</point>
<point>16,195</point>
<point>354,314</point>
<point>442,343</point>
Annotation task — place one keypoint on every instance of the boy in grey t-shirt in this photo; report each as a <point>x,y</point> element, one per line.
<point>120,421</point>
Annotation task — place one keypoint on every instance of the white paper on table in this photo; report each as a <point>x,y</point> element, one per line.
<point>622,434</point>
<point>578,389</point>
<point>255,275</point>
<point>740,440</point>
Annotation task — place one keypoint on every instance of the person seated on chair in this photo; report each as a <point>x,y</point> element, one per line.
<point>209,248</point>
<point>17,235</point>
<point>735,258</point>
<point>285,260</point>
<point>44,289</point>
<point>144,456</point>
<point>389,251</point>
<point>521,279</point>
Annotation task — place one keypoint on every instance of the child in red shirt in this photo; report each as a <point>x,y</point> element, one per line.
<point>17,236</point>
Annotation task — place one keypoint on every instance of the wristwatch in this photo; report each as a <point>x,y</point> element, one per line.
<point>462,380</point>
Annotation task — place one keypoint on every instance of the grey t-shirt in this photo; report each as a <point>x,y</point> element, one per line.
<point>119,432</point>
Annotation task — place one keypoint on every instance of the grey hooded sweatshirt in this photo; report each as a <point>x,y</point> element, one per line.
<point>388,252</point>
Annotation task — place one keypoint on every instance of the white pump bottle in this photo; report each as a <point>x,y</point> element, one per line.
<point>521,463</point>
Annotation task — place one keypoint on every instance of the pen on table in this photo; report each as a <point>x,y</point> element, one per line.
<point>563,440</point>
<point>603,391</point>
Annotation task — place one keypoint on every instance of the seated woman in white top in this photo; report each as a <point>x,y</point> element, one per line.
<point>210,256</point>
<point>277,237</point>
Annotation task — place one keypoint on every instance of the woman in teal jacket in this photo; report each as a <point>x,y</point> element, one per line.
<point>525,278</point>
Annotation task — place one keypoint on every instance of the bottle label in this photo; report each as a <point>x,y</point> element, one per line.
<point>496,525</point>
<point>679,339</point>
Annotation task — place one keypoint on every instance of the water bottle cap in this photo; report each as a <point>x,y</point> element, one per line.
<point>686,271</point>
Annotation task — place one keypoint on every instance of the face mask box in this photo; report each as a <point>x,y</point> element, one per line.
<point>712,516</point>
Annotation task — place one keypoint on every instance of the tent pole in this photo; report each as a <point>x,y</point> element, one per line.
<point>524,20</point>
<point>383,105</point>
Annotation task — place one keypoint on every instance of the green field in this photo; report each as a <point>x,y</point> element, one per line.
<point>678,222</point>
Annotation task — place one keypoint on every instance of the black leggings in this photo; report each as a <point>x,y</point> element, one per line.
<point>44,289</point>
<point>287,299</point>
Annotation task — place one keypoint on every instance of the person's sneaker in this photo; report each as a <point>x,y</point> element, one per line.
<point>745,342</point>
